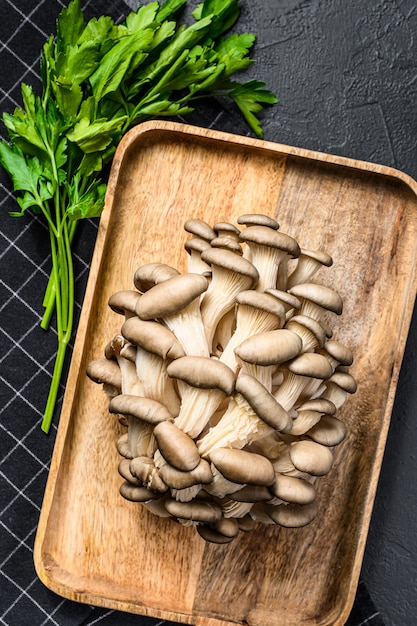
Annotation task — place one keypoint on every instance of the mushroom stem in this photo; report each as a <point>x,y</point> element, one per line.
<point>236,428</point>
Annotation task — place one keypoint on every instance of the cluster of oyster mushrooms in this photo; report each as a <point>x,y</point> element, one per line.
<point>227,379</point>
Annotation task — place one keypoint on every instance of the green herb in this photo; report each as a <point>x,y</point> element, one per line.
<point>98,80</point>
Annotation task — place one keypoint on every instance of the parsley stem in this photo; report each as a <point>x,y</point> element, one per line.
<point>50,291</point>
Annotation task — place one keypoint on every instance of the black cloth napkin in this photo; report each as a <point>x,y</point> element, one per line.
<point>26,352</point>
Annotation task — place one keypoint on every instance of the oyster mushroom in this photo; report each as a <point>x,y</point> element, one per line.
<point>298,373</point>
<point>292,515</point>
<point>255,313</point>
<point>199,228</point>
<point>194,247</point>
<point>317,299</point>
<point>151,274</point>
<point>257,219</point>
<point>176,302</point>
<point>308,264</point>
<point>226,230</point>
<point>202,383</point>
<point>231,274</point>
<point>106,372</point>
<point>251,414</point>
<point>156,346</point>
<point>269,252</point>
<point>124,302</point>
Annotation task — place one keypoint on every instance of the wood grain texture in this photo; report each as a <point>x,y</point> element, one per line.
<point>93,546</point>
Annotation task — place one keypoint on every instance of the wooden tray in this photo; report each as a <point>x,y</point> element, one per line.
<point>93,546</point>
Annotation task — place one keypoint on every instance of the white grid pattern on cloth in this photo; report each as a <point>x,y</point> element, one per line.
<point>24,374</point>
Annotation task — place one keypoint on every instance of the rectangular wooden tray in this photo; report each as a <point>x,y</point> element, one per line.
<point>93,546</point>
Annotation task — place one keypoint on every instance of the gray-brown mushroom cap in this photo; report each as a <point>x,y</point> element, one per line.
<point>196,511</point>
<point>293,489</point>
<point>329,431</point>
<point>264,236</point>
<point>344,380</point>
<point>339,352</point>
<point>293,515</point>
<point>181,479</point>
<point>270,348</point>
<point>170,296</point>
<point>321,295</point>
<point>153,337</point>
<point>124,302</point>
<point>105,371</point>
<point>199,228</point>
<point>308,324</point>
<point>226,229</point>
<point>203,372</point>
<point>151,274</point>
<point>262,302</point>
<point>240,466</point>
<point>177,448</point>
<point>232,262</point>
<point>258,219</point>
<point>311,457</point>
<point>311,364</point>
<point>263,403</point>
<point>146,409</point>
<point>287,299</point>
<point>227,243</point>
<point>321,405</point>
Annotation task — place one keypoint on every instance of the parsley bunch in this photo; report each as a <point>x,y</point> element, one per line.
<point>98,80</point>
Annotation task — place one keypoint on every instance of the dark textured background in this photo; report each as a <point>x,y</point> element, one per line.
<point>346,76</point>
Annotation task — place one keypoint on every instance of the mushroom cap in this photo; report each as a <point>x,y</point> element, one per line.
<point>252,493</point>
<point>270,348</point>
<point>339,351</point>
<point>180,479</point>
<point>258,219</point>
<point>146,409</point>
<point>196,511</point>
<point>176,446</point>
<point>170,296</point>
<point>105,371</point>
<point>321,405</point>
<point>329,431</point>
<point>344,380</point>
<point>208,533</point>
<point>311,364</point>
<point>153,337</point>
<point>124,301</point>
<point>317,255</point>
<point>293,489</point>
<point>293,515</point>
<point>261,301</point>
<point>227,243</point>
<point>135,493</point>
<point>141,467</point>
<point>240,466</point>
<point>310,324</point>
<point>199,228</point>
<point>227,526</point>
<point>265,236</point>
<point>231,261</point>
<point>203,372</point>
<point>151,274</point>
<point>124,471</point>
<point>288,299</point>
<point>321,295</point>
<point>263,403</point>
<point>311,457</point>
<point>195,244</point>
<point>226,229</point>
